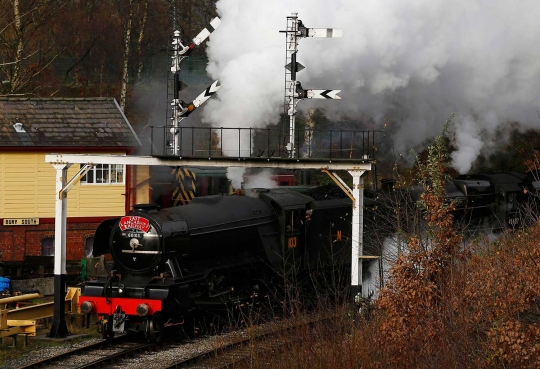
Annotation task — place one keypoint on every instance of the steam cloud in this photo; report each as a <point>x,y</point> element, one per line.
<point>414,63</point>
<point>262,179</point>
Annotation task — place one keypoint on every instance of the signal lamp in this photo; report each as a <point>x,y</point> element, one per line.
<point>191,107</point>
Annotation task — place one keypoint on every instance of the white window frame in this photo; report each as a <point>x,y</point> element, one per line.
<point>107,171</point>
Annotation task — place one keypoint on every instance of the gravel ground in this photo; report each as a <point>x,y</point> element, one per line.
<point>45,352</point>
<point>165,356</point>
<point>173,353</point>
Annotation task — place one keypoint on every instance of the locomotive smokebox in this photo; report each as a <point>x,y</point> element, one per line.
<point>147,238</point>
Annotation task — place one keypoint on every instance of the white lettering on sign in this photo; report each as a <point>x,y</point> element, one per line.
<point>134,222</point>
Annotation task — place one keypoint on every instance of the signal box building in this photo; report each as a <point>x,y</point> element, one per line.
<point>30,128</point>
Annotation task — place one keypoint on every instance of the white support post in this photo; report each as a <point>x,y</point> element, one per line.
<point>59,327</point>
<point>357,232</point>
<point>60,222</point>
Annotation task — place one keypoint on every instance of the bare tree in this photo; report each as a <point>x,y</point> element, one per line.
<point>140,41</point>
<point>127,38</point>
<point>27,46</point>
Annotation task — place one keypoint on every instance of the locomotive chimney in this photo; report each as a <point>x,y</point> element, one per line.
<point>19,127</point>
<point>146,208</point>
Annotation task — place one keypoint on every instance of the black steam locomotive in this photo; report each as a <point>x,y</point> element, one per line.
<point>484,203</point>
<point>499,200</point>
<point>214,251</point>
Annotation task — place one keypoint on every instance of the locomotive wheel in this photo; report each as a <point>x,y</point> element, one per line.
<point>107,329</point>
<point>154,329</point>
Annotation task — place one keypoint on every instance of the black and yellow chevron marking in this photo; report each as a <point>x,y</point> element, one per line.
<point>184,186</point>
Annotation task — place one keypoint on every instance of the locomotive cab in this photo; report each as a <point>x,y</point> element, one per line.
<point>290,207</point>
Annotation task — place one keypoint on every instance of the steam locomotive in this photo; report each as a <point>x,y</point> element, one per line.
<point>495,199</point>
<point>216,250</point>
<point>483,203</point>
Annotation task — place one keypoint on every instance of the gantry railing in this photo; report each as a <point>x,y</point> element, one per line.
<point>265,143</point>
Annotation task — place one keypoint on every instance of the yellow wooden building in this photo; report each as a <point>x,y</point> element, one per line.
<point>33,127</point>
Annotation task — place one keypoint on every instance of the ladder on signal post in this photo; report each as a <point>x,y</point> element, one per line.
<point>294,92</point>
<point>180,110</point>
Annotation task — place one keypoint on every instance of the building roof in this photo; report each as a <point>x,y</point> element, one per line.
<point>64,122</point>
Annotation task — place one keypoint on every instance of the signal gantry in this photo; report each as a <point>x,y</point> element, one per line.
<point>294,92</point>
<point>180,109</point>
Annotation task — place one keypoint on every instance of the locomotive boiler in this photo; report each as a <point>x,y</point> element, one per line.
<point>214,251</point>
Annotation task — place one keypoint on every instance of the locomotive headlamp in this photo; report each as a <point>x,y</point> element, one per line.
<point>143,309</point>
<point>87,307</point>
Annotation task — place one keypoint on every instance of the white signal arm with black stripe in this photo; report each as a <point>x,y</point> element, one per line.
<point>322,94</point>
<point>182,110</point>
<point>324,32</point>
<point>181,51</point>
<point>303,31</point>
<point>187,109</point>
<point>315,94</point>
<point>203,35</point>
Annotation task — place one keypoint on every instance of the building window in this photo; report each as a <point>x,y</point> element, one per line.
<point>89,247</point>
<point>104,174</point>
<point>47,247</point>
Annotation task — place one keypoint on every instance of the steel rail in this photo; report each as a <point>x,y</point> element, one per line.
<point>53,361</point>
<point>235,351</point>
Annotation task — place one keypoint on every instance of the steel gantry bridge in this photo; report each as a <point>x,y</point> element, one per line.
<point>62,162</point>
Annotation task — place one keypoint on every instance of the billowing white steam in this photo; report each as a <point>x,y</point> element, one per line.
<point>236,176</point>
<point>263,179</point>
<point>371,282</point>
<point>412,62</point>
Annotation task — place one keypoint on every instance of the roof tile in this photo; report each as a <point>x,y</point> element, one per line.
<point>64,122</point>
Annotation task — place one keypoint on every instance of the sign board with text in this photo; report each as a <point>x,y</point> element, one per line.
<point>21,221</point>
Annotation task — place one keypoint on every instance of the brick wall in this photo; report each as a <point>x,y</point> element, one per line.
<point>18,241</point>
<point>6,243</point>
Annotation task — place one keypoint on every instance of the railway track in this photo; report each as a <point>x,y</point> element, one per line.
<point>239,351</point>
<point>95,355</point>
<point>235,349</point>
<point>234,353</point>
